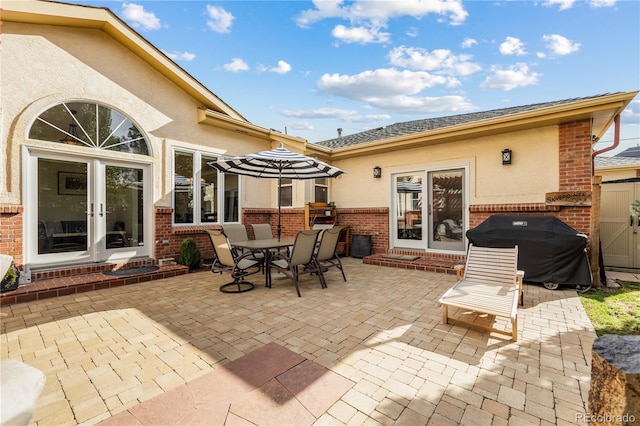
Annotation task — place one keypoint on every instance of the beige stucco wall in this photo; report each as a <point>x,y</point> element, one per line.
<point>610,174</point>
<point>533,173</point>
<point>42,65</point>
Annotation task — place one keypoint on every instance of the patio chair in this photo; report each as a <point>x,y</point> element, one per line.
<point>262,231</point>
<point>489,283</point>
<point>301,260</point>
<point>327,256</point>
<point>238,232</point>
<point>239,266</point>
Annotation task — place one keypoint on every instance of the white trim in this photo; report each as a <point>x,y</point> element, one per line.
<point>197,153</point>
<point>95,194</point>
<point>424,172</point>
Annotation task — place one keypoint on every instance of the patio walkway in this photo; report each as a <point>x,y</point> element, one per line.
<point>372,350</point>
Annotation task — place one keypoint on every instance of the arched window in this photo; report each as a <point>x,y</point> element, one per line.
<point>90,125</point>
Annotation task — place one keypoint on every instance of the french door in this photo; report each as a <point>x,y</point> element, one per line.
<point>429,209</point>
<point>82,210</point>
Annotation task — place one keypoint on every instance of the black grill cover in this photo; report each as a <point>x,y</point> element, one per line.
<point>549,250</point>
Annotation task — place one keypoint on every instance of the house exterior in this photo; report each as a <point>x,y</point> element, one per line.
<point>105,142</point>
<point>457,162</point>
<point>103,137</point>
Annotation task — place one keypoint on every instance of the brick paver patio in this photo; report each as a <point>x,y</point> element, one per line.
<point>105,352</point>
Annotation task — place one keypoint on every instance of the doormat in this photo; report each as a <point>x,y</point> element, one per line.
<point>133,271</point>
<point>400,256</point>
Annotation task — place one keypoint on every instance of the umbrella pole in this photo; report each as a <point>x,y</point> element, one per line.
<point>279,227</point>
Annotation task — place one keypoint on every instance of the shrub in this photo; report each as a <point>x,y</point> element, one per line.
<point>190,254</point>
<point>10,279</point>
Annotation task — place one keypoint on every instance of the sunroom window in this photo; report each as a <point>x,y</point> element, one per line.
<point>200,193</point>
<point>89,125</point>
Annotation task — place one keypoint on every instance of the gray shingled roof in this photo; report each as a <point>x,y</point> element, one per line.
<point>616,161</point>
<point>633,152</point>
<point>416,126</point>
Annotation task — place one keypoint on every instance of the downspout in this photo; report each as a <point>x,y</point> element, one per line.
<point>616,142</point>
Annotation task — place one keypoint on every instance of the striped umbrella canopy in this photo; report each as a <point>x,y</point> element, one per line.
<point>277,163</point>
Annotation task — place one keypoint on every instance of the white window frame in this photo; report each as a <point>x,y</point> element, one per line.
<point>286,185</point>
<point>197,175</point>
<point>424,172</point>
<point>321,185</point>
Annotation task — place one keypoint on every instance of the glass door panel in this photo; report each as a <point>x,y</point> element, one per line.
<point>63,210</point>
<point>123,210</point>
<point>447,209</point>
<point>408,211</point>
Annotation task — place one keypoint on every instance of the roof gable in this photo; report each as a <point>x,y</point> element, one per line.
<point>45,12</point>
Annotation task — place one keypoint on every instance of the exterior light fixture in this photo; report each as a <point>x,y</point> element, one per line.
<point>71,137</point>
<point>506,156</point>
<point>377,172</point>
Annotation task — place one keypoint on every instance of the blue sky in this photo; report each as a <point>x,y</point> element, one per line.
<point>308,68</point>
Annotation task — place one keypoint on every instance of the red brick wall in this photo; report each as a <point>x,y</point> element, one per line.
<point>575,156</point>
<point>368,221</point>
<point>11,231</point>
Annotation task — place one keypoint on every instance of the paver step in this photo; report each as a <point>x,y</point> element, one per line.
<point>80,283</point>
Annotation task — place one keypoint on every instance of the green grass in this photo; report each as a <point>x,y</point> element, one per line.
<point>614,311</point>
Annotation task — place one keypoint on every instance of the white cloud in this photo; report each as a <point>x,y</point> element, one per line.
<point>219,20</point>
<point>300,125</point>
<point>378,83</point>
<point>139,18</point>
<point>517,75</point>
<point>512,46</point>
<point>368,17</point>
<point>468,42</point>
<point>236,65</point>
<point>411,32</point>
<point>560,45</point>
<point>347,115</point>
<point>602,3</point>
<point>392,89</point>
<point>181,56</point>
<point>423,105</point>
<point>282,68</point>
<point>631,114</point>
<point>564,4</point>
<point>442,61</point>
<point>362,35</point>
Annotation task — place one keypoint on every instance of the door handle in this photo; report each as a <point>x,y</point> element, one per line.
<point>90,212</point>
<point>103,211</point>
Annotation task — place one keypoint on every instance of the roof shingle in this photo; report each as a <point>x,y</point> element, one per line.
<point>416,126</point>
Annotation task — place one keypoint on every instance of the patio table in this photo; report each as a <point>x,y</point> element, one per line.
<point>266,246</point>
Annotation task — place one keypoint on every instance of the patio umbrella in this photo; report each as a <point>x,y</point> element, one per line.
<point>277,163</point>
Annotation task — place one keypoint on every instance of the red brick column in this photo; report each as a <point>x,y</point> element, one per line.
<point>11,238</point>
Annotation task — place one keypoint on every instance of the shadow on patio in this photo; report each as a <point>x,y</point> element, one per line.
<point>379,335</point>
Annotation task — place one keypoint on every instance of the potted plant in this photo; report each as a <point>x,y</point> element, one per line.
<point>10,279</point>
<point>190,254</point>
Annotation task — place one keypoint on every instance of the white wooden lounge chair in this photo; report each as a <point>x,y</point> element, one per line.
<point>489,283</point>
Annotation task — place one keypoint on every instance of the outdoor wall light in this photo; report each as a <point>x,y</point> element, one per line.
<point>506,156</point>
<point>377,172</point>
